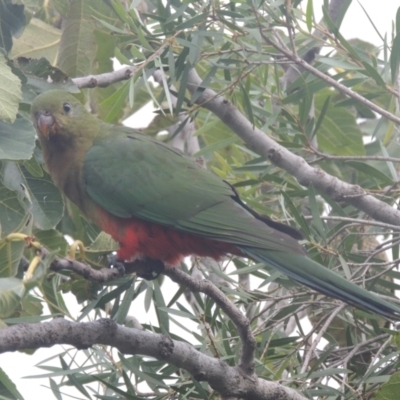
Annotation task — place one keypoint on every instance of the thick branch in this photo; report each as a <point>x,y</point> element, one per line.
<point>241,322</point>
<point>259,142</point>
<point>229,381</point>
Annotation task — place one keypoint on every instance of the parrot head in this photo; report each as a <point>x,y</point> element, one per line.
<point>58,115</point>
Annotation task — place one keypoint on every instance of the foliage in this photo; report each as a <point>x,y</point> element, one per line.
<point>230,46</point>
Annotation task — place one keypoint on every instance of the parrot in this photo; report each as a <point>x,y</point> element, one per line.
<point>159,203</point>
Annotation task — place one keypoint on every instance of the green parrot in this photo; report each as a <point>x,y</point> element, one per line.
<point>158,203</point>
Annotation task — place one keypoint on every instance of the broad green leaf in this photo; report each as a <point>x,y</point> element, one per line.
<point>49,288</point>
<point>42,76</point>
<point>12,22</point>
<point>17,140</point>
<point>12,213</point>
<point>12,290</point>
<point>61,6</point>
<point>52,240</point>
<point>31,307</point>
<point>83,289</point>
<point>47,204</point>
<point>10,90</point>
<point>12,251</point>
<point>390,389</point>
<point>78,46</point>
<point>77,50</point>
<point>338,132</point>
<point>38,40</point>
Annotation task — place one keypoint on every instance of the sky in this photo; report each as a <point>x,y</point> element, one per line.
<point>356,24</point>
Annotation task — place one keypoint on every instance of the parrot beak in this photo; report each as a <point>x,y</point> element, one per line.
<point>46,124</point>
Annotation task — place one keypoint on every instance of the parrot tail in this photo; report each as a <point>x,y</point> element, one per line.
<point>306,271</point>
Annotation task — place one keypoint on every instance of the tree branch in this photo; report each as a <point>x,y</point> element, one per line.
<point>204,286</point>
<point>83,269</point>
<point>259,142</point>
<point>104,80</point>
<point>241,322</point>
<point>229,381</point>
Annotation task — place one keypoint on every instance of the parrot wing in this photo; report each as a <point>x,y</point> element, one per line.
<point>133,175</point>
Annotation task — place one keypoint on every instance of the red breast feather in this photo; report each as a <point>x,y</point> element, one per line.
<point>138,238</point>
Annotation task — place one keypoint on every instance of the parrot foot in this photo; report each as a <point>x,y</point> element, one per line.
<point>113,262</point>
<point>146,268</point>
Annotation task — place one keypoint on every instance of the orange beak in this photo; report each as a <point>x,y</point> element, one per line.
<point>46,125</point>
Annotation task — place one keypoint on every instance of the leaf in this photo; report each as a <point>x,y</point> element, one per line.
<point>11,292</point>
<point>390,389</point>
<point>52,296</point>
<point>8,388</point>
<point>309,15</point>
<point>372,172</point>
<point>43,76</point>
<point>338,132</point>
<point>38,40</point>
<point>61,6</point>
<point>395,58</point>
<point>47,204</point>
<point>12,251</point>
<point>12,213</point>
<point>12,22</point>
<point>52,240</point>
<point>17,140</point>
<point>77,50</point>
<point>10,91</point>
<point>83,289</point>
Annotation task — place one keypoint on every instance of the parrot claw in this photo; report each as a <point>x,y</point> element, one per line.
<point>146,268</point>
<point>113,262</point>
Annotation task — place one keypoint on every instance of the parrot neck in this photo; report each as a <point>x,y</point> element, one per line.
<point>64,156</point>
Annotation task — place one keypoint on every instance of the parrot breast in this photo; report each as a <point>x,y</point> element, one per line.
<point>138,238</point>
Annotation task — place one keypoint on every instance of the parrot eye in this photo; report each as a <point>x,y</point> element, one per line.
<point>66,108</point>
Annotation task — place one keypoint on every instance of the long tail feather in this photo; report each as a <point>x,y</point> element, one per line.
<point>308,272</point>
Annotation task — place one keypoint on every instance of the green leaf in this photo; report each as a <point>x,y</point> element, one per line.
<point>395,58</point>
<point>42,76</point>
<point>372,172</point>
<point>12,290</point>
<point>12,251</point>
<point>78,46</point>
<point>12,213</point>
<point>319,224</point>
<point>38,40</point>
<point>8,389</point>
<point>12,22</point>
<point>54,300</point>
<point>47,204</point>
<point>398,21</point>
<point>10,90</point>
<point>17,140</point>
<point>338,132</point>
<point>390,389</point>
<point>123,309</point>
<point>61,6</point>
<point>309,15</point>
